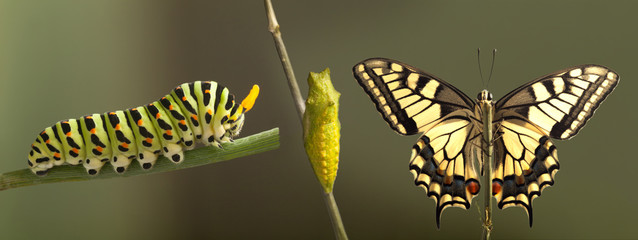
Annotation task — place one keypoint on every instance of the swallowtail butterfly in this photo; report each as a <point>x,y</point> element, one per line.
<point>201,111</point>
<point>444,160</point>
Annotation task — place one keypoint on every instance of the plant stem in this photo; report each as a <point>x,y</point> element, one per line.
<point>260,142</point>
<point>273,27</point>
<point>488,150</point>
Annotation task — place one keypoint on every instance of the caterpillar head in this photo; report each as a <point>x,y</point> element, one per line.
<point>235,122</point>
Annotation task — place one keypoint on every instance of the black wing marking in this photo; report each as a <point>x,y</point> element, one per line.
<point>409,99</point>
<point>561,103</point>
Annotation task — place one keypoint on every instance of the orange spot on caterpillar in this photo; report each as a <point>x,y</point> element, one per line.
<point>169,132</point>
<point>148,140</point>
<point>184,98</point>
<point>207,91</point>
<point>57,155</point>
<point>75,150</point>
<point>68,134</point>
<point>99,149</point>
<point>124,145</point>
<point>117,127</point>
<point>210,112</point>
<point>89,117</point>
<point>93,130</point>
<point>170,107</point>
<point>182,122</point>
<point>140,122</point>
<point>112,113</point>
<point>48,141</point>
<point>194,117</point>
<point>157,116</point>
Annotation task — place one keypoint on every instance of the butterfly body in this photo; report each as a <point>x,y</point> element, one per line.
<point>457,132</point>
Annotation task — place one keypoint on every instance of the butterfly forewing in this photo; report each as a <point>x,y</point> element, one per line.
<point>562,102</point>
<point>408,98</point>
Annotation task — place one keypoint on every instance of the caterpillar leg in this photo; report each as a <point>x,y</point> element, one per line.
<point>94,165</point>
<point>174,152</point>
<point>147,159</point>
<point>121,162</point>
<point>41,170</point>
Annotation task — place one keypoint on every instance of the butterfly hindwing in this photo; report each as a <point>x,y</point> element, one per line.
<point>408,98</point>
<point>442,165</point>
<point>561,103</point>
<point>525,163</point>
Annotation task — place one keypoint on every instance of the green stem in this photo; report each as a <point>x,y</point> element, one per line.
<point>260,142</point>
<point>333,210</point>
<point>488,156</point>
<point>273,27</point>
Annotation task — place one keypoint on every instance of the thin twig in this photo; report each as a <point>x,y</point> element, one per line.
<point>273,27</point>
<point>257,143</point>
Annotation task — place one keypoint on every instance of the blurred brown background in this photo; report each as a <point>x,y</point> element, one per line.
<point>64,59</point>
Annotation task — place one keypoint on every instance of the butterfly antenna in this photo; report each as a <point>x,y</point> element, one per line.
<point>492,68</point>
<point>478,56</point>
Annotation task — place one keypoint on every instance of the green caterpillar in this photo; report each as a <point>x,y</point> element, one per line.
<point>201,111</point>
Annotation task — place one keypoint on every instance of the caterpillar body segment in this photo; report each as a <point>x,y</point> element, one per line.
<point>202,111</point>
<point>69,133</point>
<point>123,140</point>
<point>96,141</point>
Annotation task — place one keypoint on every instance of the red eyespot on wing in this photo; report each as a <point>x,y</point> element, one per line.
<point>496,188</point>
<point>472,187</point>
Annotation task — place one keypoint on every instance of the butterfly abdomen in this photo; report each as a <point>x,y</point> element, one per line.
<point>203,111</point>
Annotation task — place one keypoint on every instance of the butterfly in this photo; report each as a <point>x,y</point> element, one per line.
<point>447,159</point>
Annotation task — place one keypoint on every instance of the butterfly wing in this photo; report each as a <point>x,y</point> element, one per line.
<point>443,166</point>
<point>557,105</point>
<point>412,101</point>
<point>561,103</point>
<point>408,98</point>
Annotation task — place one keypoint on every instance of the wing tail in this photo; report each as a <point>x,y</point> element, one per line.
<point>442,164</point>
<point>526,163</point>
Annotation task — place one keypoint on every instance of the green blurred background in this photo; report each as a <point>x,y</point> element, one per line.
<point>64,59</point>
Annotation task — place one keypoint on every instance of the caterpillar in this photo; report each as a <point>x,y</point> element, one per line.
<point>201,111</point>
